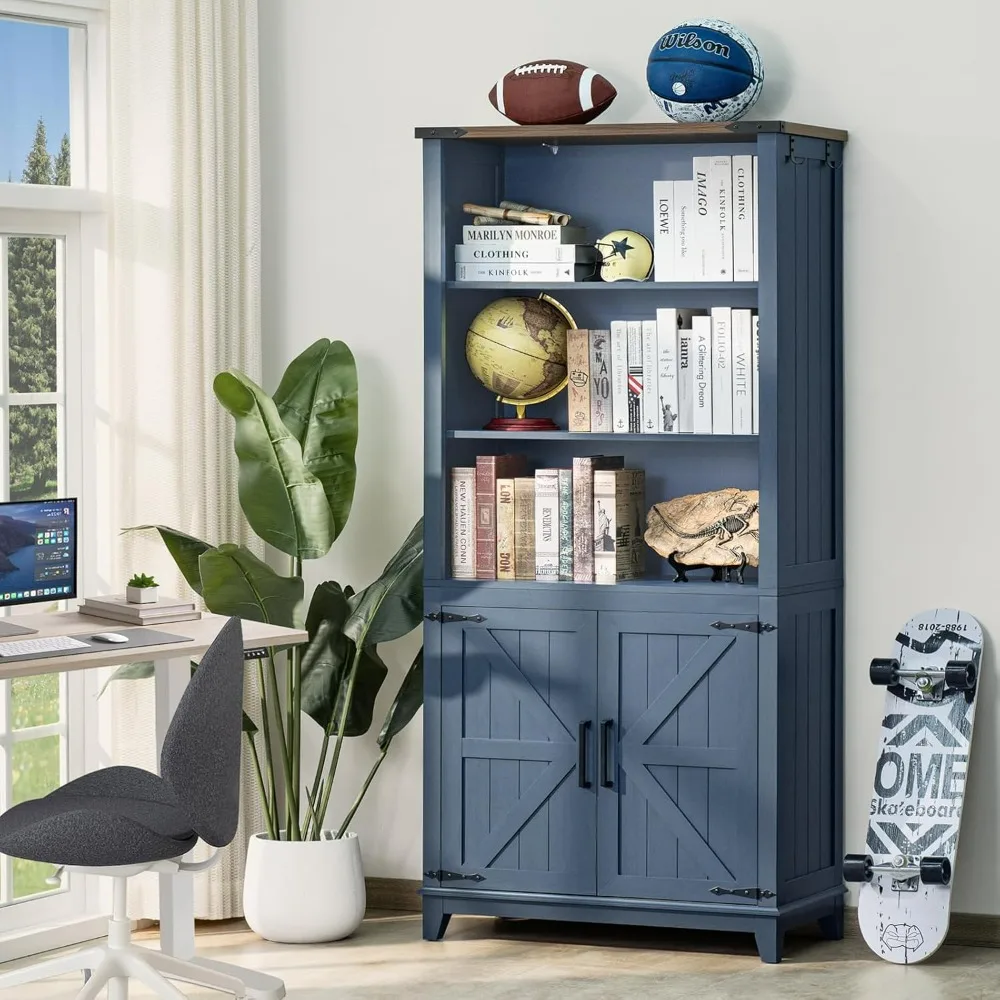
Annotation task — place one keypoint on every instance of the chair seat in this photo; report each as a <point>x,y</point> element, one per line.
<point>114,816</point>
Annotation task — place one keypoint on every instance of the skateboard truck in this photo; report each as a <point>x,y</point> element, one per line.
<point>958,675</point>
<point>907,871</point>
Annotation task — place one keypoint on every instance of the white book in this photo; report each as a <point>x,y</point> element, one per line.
<point>722,370</point>
<point>463,523</point>
<point>684,214</point>
<point>650,411</point>
<point>635,376</point>
<point>515,272</point>
<point>518,253</point>
<point>668,403</point>
<point>619,375</point>
<point>664,254</point>
<point>512,232</point>
<point>547,525</point>
<point>756,226</point>
<point>742,372</point>
<point>755,371</point>
<point>702,230</point>
<point>600,382</point>
<point>701,361</point>
<point>743,220</point>
<point>685,380</point>
<point>719,256</point>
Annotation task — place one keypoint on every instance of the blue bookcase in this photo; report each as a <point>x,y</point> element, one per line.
<point>624,754</point>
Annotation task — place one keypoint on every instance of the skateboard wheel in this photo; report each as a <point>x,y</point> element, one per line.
<point>883,672</point>
<point>960,675</point>
<point>858,868</point>
<point>935,871</point>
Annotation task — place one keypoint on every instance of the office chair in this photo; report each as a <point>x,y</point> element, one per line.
<point>122,821</point>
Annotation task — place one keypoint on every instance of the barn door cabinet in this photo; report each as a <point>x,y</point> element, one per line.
<point>652,752</point>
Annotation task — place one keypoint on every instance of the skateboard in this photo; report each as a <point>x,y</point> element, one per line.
<point>932,684</point>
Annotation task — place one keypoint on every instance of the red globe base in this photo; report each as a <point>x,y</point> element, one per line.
<point>521,424</point>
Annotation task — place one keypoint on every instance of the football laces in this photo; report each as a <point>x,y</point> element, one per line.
<point>540,68</point>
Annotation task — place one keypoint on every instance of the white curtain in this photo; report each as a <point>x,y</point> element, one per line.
<point>184,305</point>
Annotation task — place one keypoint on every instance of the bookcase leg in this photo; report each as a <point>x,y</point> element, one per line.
<point>770,939</point>
<point>832,925</point>
<point>435,919</point>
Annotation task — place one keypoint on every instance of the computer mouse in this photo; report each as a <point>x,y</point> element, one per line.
<point>109,637</point>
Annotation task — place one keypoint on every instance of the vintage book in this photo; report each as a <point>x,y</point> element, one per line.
<point>755,372</point>
<point>524,528</point>
<point>722,370</point>
<point>578,370</point>
<point>701,361</point>
<point>583,511</point>
<point>463,523</point>
<point>505,529</point>
<point>119,602</point>
<point>490,468</point>
<point>514,272</point>
<point>756,226</point>
<point>743,220</point>
<point>107,614</point>
<point>720,251</point>
<point>619,517</point>
<point>702,229</point>
<point>634,376</point>
<point>650,383</point>
<point>600,382</point>
<point>685,380</point>
<point>742,377</point>
<point>619,375</point>
<point>565,524</point>
<point>547,525</point>
<point>684,212</point>
<point>499,233</point>
<point>525,253</point>
<point>664,253</point>
<point>667,399</point>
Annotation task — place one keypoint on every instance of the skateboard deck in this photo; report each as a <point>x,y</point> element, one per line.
<point>916,806</point>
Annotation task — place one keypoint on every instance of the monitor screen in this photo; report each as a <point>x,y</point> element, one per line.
<point>37,551</point>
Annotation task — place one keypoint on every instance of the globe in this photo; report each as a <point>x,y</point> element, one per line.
<point>516,347</point>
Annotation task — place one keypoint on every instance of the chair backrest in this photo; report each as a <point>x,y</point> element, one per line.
<point>200,759</point>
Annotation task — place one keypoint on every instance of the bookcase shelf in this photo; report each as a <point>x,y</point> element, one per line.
<point>649,751</point>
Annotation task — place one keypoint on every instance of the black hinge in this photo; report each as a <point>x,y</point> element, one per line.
<point>441,875</point>
<point>447,616</point>
<point>755,626</point>
<point>754,893</point>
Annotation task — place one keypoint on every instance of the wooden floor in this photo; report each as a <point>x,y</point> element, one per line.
<point>483,959</point>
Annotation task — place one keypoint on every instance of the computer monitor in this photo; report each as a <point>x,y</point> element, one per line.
<point>37,555</point>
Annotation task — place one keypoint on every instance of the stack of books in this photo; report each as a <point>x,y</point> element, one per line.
<point>116,608</point>
<point>583,524</point>
<point>526,253</point>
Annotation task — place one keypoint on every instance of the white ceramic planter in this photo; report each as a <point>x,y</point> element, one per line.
<point>141,595</point>
<point>305,891</point>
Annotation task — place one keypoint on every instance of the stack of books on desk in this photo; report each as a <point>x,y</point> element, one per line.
<point>117,608</point>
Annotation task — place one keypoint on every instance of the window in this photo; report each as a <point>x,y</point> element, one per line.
<point>52,117</point>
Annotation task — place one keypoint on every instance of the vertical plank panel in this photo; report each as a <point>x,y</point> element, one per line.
<point>661,847</point>
<point>825,814</point>
<point>801,376</point>
<point>819,447</point>
<point>801,743</point>
<point>692,731</point>
<point>505,724</point>
<point>818,767</point>
<point>533,840</point>
<point>474,722</point>
<point>827,377</point>
<point>634,671</point>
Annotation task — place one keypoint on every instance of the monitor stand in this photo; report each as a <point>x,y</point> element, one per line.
<point>6,629</point>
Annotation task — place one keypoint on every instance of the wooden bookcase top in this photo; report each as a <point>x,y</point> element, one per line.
<point>741,131</point>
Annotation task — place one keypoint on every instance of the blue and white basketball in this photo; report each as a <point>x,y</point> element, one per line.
<point>704,71</point>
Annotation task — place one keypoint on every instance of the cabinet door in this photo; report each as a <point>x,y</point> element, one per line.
<point>516,691</point>
<point>678,797</point>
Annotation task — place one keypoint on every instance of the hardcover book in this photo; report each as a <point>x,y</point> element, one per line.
<point>524,528</point>
<point>650,382</point>
<point>619,376</point>
<point>119,602</point>
<point>684,212</point>
<point>720,251</point>
<point>489,468</point>
<point>515,272</point>
<point>547,525</point>
<point>756,227</point>
<point>525,252</point>
<point>685,380</point>
<point>701,361</point>
<point>505,529</point>
<point>743,220</point>
<point>578,371</point>
<point>619,515</point>
<point>702,229</point>
<point>600,383</point>
<point>583,511</point>
<point>668,408</point>
<point>565,524</point>
<point>722,370</point>
<point>742,378</point>
<point>664,252</point>
<point>755,372</point>
<point>634,376</point>
<point>507,233</point>
<point>463,523</point>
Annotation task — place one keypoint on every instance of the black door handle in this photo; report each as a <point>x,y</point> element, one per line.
<point>607,753</point>
<point>583,741</point>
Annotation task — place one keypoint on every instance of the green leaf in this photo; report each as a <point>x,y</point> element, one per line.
<point>317,401</point>
<point>237,583</point>
<point>409,698</point>
<point>185,550</point>
<point>130,672</point>
<point>283,501</point>
<point>393,605</point>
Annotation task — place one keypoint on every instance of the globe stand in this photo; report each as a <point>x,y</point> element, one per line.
<point>521,424</point>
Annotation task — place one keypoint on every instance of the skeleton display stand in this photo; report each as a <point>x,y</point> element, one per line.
<point>916,810</point>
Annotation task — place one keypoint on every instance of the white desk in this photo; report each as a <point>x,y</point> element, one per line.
<point>173,671</point>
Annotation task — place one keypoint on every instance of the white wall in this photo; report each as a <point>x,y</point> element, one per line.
<point>343,85</point>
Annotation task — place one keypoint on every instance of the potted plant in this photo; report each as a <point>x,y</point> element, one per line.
<point>141,589</point>
<point>304,879</point>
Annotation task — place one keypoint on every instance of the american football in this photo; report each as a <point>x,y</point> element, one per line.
<point>552,92</point>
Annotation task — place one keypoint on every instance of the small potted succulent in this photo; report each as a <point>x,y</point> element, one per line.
<point>141,589</point>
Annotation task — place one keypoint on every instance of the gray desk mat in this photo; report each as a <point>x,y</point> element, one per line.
<point>137,638</point>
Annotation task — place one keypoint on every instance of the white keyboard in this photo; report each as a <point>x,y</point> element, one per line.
<point>25,647</point>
